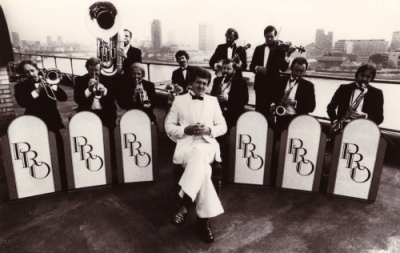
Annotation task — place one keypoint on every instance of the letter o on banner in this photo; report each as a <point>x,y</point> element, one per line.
<point>357,161</point>
<point>301,155</point>
<point>248,155</point>
<point>87,150</point>
<point>135,147</point>
<point>34,169</point>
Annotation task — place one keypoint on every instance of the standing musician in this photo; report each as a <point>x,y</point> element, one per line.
<point>292,95</point>
<point>38,97</point>
<point>196,120</point>
<point>93,93</point>
<point>181,75</point>
<point>356,100</point>
<point>137,93</point>
<point>228,51</point>
<point>130,54</point>
<point>268,60</point>
<point>231,92</point>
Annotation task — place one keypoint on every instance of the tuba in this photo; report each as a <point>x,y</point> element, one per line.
<point>104,22</point>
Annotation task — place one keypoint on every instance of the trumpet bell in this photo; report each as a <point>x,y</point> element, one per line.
<point>103,20</point>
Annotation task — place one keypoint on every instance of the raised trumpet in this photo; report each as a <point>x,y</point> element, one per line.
<point>144,99</point>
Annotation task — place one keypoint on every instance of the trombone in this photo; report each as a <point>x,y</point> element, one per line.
<point>50,77</point>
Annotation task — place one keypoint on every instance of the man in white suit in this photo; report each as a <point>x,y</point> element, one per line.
<point>196,120</point>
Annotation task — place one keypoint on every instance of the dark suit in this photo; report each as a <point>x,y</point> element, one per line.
<point>238,98</point>
<point>178,78</point>
<point>221,53</point>
<point>42,107</point>
<point>304,97</point>
<point>125,92</point>
<point>134,55</point>
<point>373,103</point>
<point>276,63</point>
<point>108,113</point>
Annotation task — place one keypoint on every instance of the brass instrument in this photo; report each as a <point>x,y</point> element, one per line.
<point>346,118</point>
<point>104,22</point>
<point>285,109</point>
<point>144,99</point>
<point>97,93</point>
<point>50,77</point>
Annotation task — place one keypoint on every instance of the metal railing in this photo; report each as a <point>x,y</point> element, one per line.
<point>151,76</point>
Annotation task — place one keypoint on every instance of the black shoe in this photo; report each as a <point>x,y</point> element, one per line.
<point>180,217</point>
<point>204,230</point>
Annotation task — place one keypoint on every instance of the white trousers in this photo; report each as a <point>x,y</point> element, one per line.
<point>196,179</point>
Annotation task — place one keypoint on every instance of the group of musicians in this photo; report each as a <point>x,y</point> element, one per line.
<point>196,119</point>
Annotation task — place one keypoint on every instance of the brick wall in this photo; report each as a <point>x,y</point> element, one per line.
<point>7,113</point>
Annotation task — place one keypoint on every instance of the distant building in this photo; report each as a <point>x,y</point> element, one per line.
<point>156,34</point>
<point>312,51</point>
<point>206,38</point>
<point>59,39</point>
<point>330,60</point>
<point>15,39</point>
<point>322,41</point>
<point>49,40</point>
<point>394,60</point>
<point>395,41</point>
<point>363,48</point>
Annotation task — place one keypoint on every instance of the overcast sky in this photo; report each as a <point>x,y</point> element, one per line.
<point>347,19</point>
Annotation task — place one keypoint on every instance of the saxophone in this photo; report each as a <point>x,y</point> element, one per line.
<point>285,109</point>
<point>346,118</point>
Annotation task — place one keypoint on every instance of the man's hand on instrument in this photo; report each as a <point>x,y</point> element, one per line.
<point>352,114</point>
<point>261,69</point>
<point>92,84</point>
<point>290,51</point>
<point>102,88</point>
<point>288,101</point>
<point>272,108</point>
<point>218,65</point>
<point>223,97</point>
<point>334,126</point>
<point>122,53</point>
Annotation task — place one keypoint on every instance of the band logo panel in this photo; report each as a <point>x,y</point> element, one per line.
<point>31,158</point>
<point>87,150</point>
<point>250,148</point>
<point>136,144</point>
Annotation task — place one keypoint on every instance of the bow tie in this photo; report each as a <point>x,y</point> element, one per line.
<point>231,46</point>
<point>183,69</point>
<point>292,80</point>
<point>194,97</point>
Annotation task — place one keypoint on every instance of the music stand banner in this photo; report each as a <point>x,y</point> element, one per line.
<point>301,155</point>
<point>250,150</point>
<point>30,156</point>
<point>87,152</point>
<point>357,161</point>
<point>136,146</point>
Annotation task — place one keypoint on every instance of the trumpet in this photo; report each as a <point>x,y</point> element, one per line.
<point>144,99</point>
<point>50,77</point>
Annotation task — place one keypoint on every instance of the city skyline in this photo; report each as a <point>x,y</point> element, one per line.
<point>299,26</point>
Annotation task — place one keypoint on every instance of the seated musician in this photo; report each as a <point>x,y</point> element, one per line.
<point>181,75</point>
<point>40,100</point>
<point>231,91</point>
<point>38,97</point>
<point>228,51</point>
<point>196,120</point>
<point>137,93</point>
<point>292,95</point>
<point>93,93</point>
<point>356,100</point>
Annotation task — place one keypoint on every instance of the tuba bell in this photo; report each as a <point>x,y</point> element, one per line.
<point>104,22</point>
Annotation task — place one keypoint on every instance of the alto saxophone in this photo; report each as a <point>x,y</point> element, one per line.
<point>285,109</point>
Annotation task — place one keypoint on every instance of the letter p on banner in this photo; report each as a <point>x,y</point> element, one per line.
<point>30,157</point>
<point>357,161</point>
